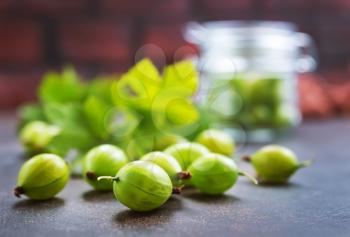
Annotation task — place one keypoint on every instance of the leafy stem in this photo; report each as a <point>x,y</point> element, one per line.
<point>305,164</point>
<point>111,178</point>
<point>251,178</point>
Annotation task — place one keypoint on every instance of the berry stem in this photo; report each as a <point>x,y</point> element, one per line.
<point>176,190</point>
<point>251,178</point>
<point>246,158</point>
<point>91,175</point>
<point>108,178</point>
<point>18,191</point>
<point>183,175</point>
<point>305,164</point>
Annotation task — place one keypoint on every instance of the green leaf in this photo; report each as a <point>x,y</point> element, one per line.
<point>96,111</point>
<point>65,115</point>
<point>181,112</point>
<point>128,112</point>
<point>75,133</point>
<point>69,140</point>
<point>61,88</point>
<point>170,108</point>
<point>122,123</point>
<point>181,76</point>
<point>138,86</point>
<point>102,88</point>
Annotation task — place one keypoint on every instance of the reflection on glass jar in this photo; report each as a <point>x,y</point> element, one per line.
<point>248,75</point>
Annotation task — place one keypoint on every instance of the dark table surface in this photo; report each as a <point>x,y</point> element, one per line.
<point>315,203</point>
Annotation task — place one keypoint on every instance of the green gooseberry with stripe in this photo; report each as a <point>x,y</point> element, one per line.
<point>35,136</point>
<point>217,141</point>
<point>170,165</point>
<point>275,164</point>
<point>141,185</point>
<point>214,173</point>
<point>186,153</point>
<point>103,160</point>
<point>42,177</point>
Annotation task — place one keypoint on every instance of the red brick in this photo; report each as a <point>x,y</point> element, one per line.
<point>93,41</point>
<point>335,37</point>
<point>168,38</point>
<point>7,5</point>
<point>338,89</point>
<point>53,8</point>
<point>302,22</point>
<point>113,68</point>
<point>333,41</point>
<point>17,88</point>
<point>185,52</point>
<point>227,4</point>
<point>153,52</point>
<point>289,5</point>
<point>20,42</point>
<point>178,9</point>
<point>314,101</point>
<point>340,96</point>
<point>334,4</point>
<point>225,9</point>
<point>127,8</point>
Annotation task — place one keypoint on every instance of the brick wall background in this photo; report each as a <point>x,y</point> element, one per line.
<point>104,35</point>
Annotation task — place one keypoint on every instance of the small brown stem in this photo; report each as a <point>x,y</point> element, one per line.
<point>246,158</point>
<point>91,175</point>
<point>184,175</point>
<point>177,190</point>
<point>18,191</point>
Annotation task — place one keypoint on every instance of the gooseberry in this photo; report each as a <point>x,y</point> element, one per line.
<point>141,185</point>
<point>215,173</point>
<point>169,164</point>
<point>275,164</point>
<point>42,177</point>
<point>186,153</point>
<point>217,141</point>
<point>36,135</point>
<point>164,141</point>
<point>103,160</point>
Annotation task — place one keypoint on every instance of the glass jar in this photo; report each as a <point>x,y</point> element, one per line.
<point>249,75</point>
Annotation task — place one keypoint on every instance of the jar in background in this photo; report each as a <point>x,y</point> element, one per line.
<point>249,75</point>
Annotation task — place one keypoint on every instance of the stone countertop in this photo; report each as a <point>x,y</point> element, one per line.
<point>315,203</point>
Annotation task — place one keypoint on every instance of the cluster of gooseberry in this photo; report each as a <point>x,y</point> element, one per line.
<point>148,183</point>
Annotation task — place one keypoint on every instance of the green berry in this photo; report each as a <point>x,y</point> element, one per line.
<point>217,141</point>
<point>36,135</point>
<point>169,164</point>
<point>103,160</point>
<point>275,164</point>
<point>141,186</point>
<point>186,153</point>
<point>42,177</point>
<point>164,141</point>
<point>214,173</point>
<point>266,90</point>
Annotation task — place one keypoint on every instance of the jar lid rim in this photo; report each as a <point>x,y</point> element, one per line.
<point>249,24</point>
<point>221,31</point>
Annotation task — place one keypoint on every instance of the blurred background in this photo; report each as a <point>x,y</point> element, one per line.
<point>105,36</point>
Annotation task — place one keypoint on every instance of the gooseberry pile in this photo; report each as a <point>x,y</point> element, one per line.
<point>147,183</point>
<point>140,135</point>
